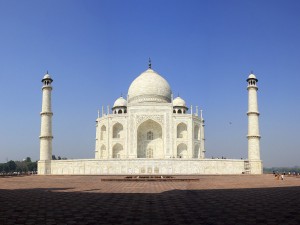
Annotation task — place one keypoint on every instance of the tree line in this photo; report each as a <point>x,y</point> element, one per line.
<point>24,166</point>
<point>21,167</point>
<point>295,169</point>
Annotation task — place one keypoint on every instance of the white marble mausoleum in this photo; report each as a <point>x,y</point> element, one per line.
<point>150,132</point>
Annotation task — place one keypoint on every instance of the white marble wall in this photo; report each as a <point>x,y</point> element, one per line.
<point>146,166</point>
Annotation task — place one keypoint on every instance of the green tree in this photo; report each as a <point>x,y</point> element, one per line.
<point>5,167</point>
<point>28,159</point>
<point>11,166</point>
<point>32,166</point>
<point>21,166</point>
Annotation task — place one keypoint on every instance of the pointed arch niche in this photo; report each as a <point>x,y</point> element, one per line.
<point>117,130</point>
<point>182,130</point>
<point>117,151</point>
<point>182,151</point>
<point>103,132</point>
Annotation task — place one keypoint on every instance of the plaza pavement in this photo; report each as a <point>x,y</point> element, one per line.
<point>232,200</point>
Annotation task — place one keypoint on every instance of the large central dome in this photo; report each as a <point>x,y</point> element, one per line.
<point>149,87</point>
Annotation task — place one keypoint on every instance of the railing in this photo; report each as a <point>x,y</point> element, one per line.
<point>247,167</point>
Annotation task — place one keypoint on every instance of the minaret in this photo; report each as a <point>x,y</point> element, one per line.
<point>46,124</point>
<point>253,114</point>
<point>202,143</point>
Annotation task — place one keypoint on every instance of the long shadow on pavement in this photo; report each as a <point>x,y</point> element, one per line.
<point>228,206</point>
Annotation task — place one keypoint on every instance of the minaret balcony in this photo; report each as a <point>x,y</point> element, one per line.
<point>46,113</point>
<point>253,113</point>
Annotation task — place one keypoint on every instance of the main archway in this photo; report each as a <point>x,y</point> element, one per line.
<point>149,140</point>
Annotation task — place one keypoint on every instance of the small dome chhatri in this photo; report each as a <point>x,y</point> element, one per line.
<point>47,80</point>
<point>120,106</point>
<point>120,102</point>
<point>47,76</point>
<point>179,106</point>
<point>252,76</point>
<point>179,102</point>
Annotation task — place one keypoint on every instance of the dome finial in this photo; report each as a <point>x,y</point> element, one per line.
<point>149,63</point>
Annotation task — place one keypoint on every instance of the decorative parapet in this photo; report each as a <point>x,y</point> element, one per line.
<point>47,87</point>
<point>149,98</point>
<point>252,87</point>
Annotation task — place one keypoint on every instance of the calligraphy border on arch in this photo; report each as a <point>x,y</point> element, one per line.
<point>142,118</point>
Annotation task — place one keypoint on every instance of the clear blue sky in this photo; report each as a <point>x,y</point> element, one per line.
<point>205,49</point>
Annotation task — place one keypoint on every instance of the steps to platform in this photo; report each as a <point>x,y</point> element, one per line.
<point>149,178</point>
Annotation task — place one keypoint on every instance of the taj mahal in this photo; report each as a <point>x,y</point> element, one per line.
<point>150,132</point>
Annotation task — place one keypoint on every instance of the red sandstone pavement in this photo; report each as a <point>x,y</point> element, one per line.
<point>232,200</point>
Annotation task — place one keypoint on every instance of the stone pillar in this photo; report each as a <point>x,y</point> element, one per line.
<point>46,127</point>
